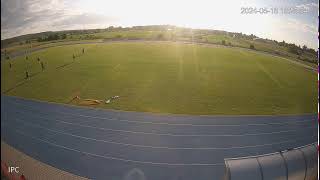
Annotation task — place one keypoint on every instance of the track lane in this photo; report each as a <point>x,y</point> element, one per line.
<point>146,128</point>
<point>242,120</point>
<point>154,139</point>
<point>179,147</point>
<point>176,157</point>
<point>130,142</point>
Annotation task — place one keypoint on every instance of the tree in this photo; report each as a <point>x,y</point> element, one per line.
<point>294,49</point>
<point>283,43</point>
<point>229,43</point>
<point>63,36</point>
<point>252,46</point>
<point>223,42</point>
<point>304,48</point>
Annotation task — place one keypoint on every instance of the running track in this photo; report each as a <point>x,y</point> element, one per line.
<point>106,144</point>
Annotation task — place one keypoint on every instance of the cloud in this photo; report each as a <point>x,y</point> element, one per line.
<point>81,19</point>
<point>30,16</point>
<point>296,31</point>
<point>309,6</point>
<point>294,24</point>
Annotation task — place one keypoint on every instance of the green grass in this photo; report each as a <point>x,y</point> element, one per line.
<point>175,34</point>
<point>166,78</point>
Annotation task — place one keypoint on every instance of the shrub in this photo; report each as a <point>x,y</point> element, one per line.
<point>160,36</point>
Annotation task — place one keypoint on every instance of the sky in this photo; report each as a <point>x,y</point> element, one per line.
<point>20,17</point>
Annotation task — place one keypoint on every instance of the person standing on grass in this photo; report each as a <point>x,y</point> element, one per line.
<point>42,66</point>
<point>27,74</point>
<point>82,50</point>
<point>38,59</point>
<point>73,56</point>
<point>10,65</point>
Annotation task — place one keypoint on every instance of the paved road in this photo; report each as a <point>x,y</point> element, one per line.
<point>106,144</point>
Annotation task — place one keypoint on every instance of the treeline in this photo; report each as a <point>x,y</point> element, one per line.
<point>293,48</point>
<point>52,37</point>
<point>177,32</point>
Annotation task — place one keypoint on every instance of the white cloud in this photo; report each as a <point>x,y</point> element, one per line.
<point>20,17</point>
<point>309,6</point>
<point>30,16</point>
<point>300,26</point>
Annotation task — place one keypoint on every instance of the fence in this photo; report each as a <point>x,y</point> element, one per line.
<point>295,164</point>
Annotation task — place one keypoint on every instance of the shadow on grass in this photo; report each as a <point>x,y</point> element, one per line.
<point>64,65</point>
<point>22,82</point>
<point>25,80</point>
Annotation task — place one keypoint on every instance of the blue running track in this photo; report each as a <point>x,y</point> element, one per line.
<point>116,145</point>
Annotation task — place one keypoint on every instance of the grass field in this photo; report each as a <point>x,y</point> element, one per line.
<point>165,77</point>
<point>19,44</point>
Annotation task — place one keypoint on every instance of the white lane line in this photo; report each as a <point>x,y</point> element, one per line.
<point>156,147</point>
<point>169,124</point>
<point>184,124</point>
<point>116,158</point>
<point>170,134</point>
<point>173,135</point>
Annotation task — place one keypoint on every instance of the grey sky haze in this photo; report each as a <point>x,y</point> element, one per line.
<point>20,17</point>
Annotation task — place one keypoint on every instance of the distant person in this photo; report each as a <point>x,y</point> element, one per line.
<point>27,74</point>
<point>82,50</point>
<point>38,59</point>
<point>10,65</point>
<point>73,56</point>
<point>42,66</point>
<point>26,57</point>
